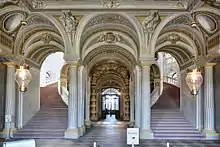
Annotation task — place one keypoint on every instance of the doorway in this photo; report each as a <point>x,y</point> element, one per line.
<point>110,104</point>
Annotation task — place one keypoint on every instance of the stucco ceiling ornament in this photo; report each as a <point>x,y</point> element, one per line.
<point>149,24</point>
<point>182,4</point>
<point>46,38</point>
<point>109,37</point>
<point>111,4</point>
<point>173,38</point>
<point>38,4</point>
<point>8,2</point>
<point>183,19</point>
<point>70,23</point>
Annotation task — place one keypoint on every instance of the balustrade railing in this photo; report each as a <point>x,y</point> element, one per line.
<point>171,80</point>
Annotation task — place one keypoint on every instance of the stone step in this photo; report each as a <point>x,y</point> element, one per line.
<point>171,124</point>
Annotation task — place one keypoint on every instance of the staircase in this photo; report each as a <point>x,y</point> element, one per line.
<point>171,124</point>
<point>50,121</point>
<point>167,122</point>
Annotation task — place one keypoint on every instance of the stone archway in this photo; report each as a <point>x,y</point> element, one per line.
<point>109,73</point>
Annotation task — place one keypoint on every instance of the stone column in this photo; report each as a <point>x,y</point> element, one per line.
<point>80,101</point>
<point>20,110</point>
<point>87,120</point>
<point>209,113</point>
<point>10,100</point>
<point>199,110</point>
<point>138,97</point>
<point>131,123</point>
<point>145,132</point>
<point>72,130</point>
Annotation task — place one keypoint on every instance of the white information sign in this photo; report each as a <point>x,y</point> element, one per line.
<point>133,136</point>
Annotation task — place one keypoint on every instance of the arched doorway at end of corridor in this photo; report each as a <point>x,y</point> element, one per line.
<point>110,104</point>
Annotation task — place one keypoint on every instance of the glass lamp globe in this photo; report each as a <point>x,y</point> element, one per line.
<point>194,81</point>
<point>23,77</point>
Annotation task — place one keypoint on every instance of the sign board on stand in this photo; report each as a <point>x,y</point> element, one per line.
<point>132,136</point>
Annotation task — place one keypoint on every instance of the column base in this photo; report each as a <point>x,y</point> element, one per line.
<point>211,135</point>
<point>5,133</point>
<point>72,134</point>
<point>146,134</point>
<point>82,130</point>
<point>131,124</point>
<point>87,124</point>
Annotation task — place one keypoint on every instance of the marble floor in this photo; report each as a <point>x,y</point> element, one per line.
<point>113,134</point>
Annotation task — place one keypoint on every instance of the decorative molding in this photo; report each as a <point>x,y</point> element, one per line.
<point>8,2</point>
<point>6,40</point>
<point>213,3</point>
<point>183,19</point>
<point>109,18</point>
<point>36,19</point>
<point>111,4</point>
<point>46,38</point>
<point>173,38</point>
<point>109,37</point>
<point>182,4</point>
<point>69,21</point>
<point>150,22</point>
<point>38,4</point>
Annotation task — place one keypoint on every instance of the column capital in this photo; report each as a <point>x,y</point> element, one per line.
<point>10,64</point>
<point>210,64</point>
<point>146,63</point>
<point>73,63</point>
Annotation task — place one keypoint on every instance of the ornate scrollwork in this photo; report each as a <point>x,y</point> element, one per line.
<point>109,38</point>
<point>173,38</point>
<point>111,4</point>
<point>38,4</point>
<point>213,3</point>
<point>8,2</point>
<point>46,38</point>
<point>181,4</point>
<point>69,21</point>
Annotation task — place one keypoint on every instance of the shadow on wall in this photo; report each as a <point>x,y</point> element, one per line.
<point>170,98</point>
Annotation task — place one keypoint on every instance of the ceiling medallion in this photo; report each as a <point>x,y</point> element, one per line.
<point>111,4</point>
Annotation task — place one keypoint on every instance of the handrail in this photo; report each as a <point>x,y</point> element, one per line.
<point>155,95</point>
<point>171,80</point>
<point>64,94</point>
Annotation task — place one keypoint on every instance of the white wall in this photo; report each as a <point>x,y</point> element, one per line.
<point>187,102</point>
<point>53,64</point>
<point>31,99</point>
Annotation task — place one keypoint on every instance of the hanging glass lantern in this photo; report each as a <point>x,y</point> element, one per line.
<point>194,80</point>
<point>23,77</point>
